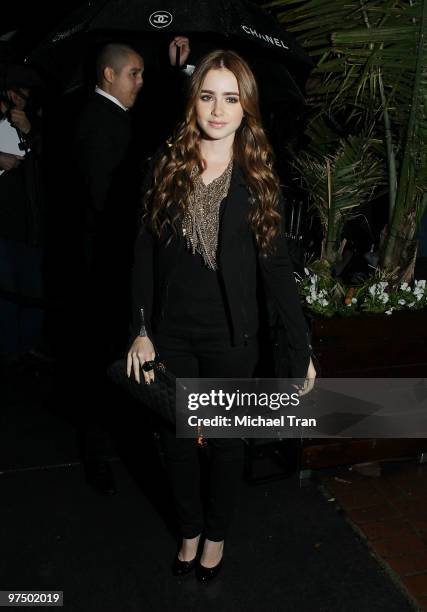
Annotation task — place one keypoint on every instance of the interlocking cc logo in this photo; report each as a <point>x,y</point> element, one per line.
<point>160,19</point>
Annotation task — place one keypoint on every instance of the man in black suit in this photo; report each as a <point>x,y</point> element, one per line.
<point>103,186</point>
<point>106,174</point>
<point>103,183</point>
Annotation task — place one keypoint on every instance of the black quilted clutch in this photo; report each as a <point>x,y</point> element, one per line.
<point>159,396</point>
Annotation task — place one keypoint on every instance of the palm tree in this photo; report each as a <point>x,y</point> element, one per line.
<point>341,176</point>
<point>371,70</point>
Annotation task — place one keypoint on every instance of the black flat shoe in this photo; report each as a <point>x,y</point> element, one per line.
<point>205,574</point>
<point>181,568</point>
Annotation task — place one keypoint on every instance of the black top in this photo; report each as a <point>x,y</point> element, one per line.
<point>195,297</point>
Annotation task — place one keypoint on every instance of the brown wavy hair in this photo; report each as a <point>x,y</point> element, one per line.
<point>167,199</point>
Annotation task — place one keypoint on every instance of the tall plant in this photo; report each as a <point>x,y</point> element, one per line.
<point>372,70</point>
<point>340,182</point>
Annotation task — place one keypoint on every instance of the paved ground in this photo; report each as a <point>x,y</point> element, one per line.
<point>289,549</point>
<point>389,510</point>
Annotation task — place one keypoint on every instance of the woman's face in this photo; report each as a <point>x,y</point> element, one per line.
<point>218,109</point>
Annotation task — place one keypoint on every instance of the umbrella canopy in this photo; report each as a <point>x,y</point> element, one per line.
<point>236,24</point>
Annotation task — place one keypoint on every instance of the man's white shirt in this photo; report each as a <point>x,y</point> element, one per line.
<point>101,92</point>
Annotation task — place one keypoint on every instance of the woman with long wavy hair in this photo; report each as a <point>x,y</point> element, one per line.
<point>213,217</point>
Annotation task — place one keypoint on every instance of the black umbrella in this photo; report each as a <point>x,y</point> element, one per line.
<point>236,24</point>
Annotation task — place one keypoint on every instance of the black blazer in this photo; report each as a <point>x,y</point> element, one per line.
<point>105,185</point>
<point>101,141</point>
<point>239,264</point>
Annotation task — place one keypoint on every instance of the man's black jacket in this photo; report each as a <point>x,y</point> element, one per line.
<point>238,263</point>
<point>101,157</point>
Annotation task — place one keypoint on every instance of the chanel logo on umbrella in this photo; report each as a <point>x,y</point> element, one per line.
<point>160,19</point>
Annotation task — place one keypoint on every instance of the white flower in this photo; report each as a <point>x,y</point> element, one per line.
<point>348,305</point>
<point>402,302</point>
<point>384,298</point>
<point>405,287</point>
<point>419,288</point>
<point>324,302</point>
<point>308,299</point>
<point>307,271</point>
<point>411,304</point>
<point>353,301</point>
<point>388,312</point>
<point>377,289</point>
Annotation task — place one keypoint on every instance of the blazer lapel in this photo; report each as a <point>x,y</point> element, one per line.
<point>237,206</point>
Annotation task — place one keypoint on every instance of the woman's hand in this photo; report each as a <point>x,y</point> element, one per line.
<point>142,350</point>
<point>309,379</point>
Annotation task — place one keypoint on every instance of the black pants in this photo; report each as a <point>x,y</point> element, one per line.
<point>196,356</point>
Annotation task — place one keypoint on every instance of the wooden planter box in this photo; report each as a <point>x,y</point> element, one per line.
<point>372,345</point>
<point>368,346</point>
